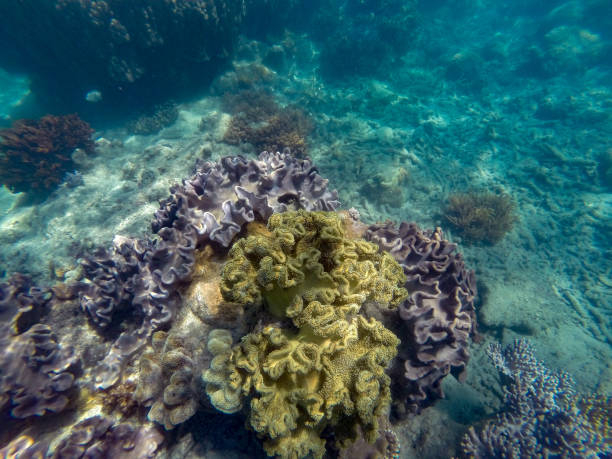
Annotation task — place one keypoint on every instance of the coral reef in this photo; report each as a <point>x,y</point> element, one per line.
<point>166,374</point>
<point>35,155</point>
<point>143,276</point>
<point>163,115</point>
<point>305,269</point>
<point>480,216</point>
<point>365,37</point>
<point>386,446</point>
<point>543,415</point>
<point>271,130</point>
<point>438,318</point>
<point>37,372</point>
<point>215,203</point>
<point>130,54</point>
<point>255,296</point>
<point>137,275</point>
<point>94,437</point>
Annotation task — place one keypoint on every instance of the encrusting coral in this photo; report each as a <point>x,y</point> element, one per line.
<point>329,370</point>
<point>35,155</point>
<point>480,216</point>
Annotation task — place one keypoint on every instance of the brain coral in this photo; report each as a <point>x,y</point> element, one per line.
<point>328,370</point>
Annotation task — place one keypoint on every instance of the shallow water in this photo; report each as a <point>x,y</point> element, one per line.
<point>400,106</point>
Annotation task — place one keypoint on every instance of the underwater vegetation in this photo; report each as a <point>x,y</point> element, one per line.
<point>480,216</point>
<point>543,416</point>
<point>35,155</point>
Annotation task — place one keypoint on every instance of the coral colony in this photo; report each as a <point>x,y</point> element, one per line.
<point>256,296</point>
<point>258,304</point>
<point>543,415</point>
<point>256,290</point>
<point>36,155</point>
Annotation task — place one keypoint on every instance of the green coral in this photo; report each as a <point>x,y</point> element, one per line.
<point>328,371</point>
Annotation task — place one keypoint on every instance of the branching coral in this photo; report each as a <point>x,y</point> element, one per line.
<point>35,155</point>
<point>480,216</point>
<point>543,416</point>
<point>327,372</point>
<point>269,127</point>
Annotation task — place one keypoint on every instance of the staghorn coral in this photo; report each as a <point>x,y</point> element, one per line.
<point>480,216</point>
<point>35,155</point>
<point>305,269</point>
<point>543,416</point>
<point>36,372</point>
<point>438,318</point>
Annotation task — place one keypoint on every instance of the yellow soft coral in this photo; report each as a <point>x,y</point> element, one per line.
<point>328,370</point>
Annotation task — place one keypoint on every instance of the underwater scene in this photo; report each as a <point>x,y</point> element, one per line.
<point>354,229</point>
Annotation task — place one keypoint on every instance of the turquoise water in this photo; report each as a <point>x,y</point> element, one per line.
<point>405,107</point>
